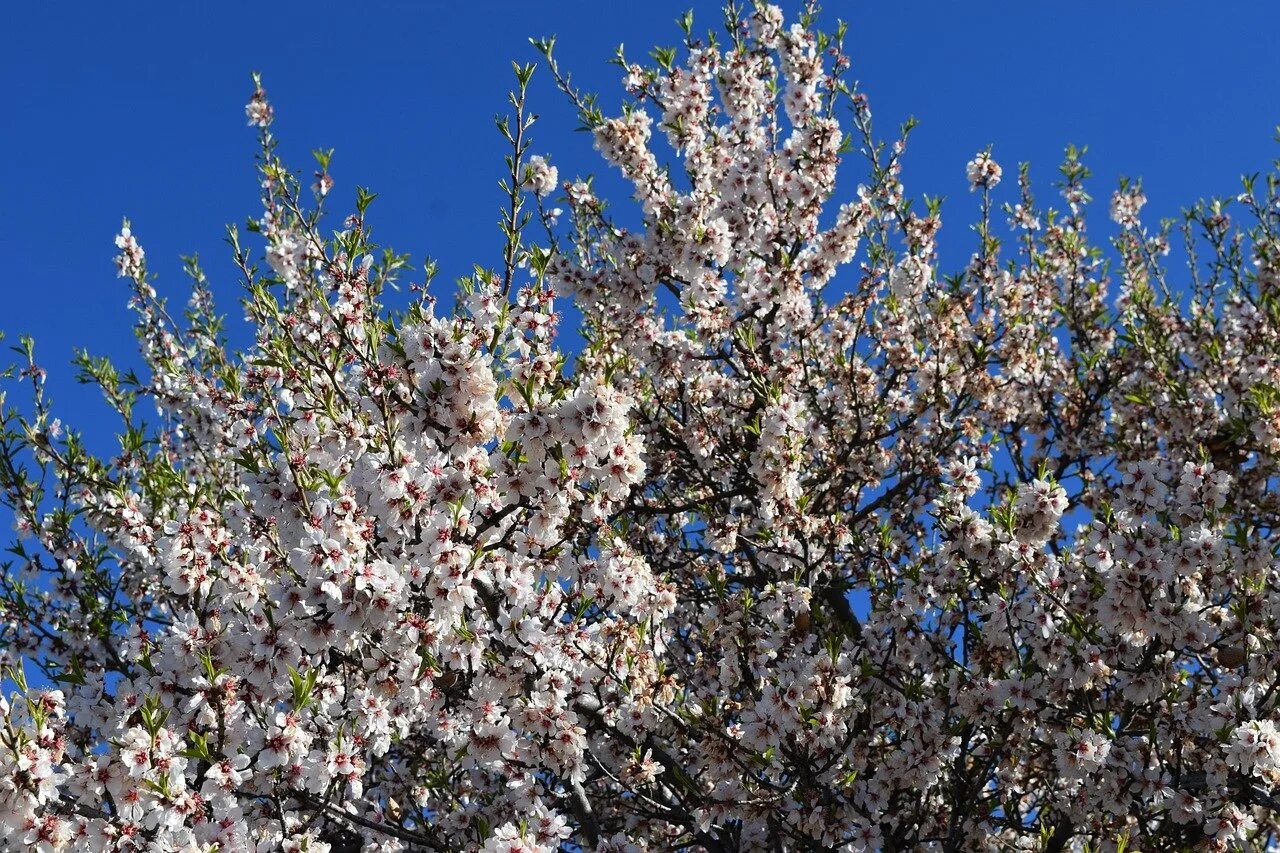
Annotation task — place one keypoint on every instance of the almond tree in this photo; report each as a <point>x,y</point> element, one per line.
<point>812,546</point>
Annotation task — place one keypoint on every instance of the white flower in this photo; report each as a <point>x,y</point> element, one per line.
<point>541,176</point>
<point>983,172</point>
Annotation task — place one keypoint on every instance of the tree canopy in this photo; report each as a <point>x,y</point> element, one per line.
<point>812,545</point>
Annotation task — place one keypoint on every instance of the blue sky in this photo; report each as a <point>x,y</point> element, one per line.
<point>137,109</point>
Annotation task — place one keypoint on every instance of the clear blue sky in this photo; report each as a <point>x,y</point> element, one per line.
<point>137,109</point>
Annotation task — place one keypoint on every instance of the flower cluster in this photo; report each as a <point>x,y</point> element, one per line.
<point>983,172</point>
<point>542,178</point>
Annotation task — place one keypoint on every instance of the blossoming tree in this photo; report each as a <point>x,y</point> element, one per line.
<point>811,546</point>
